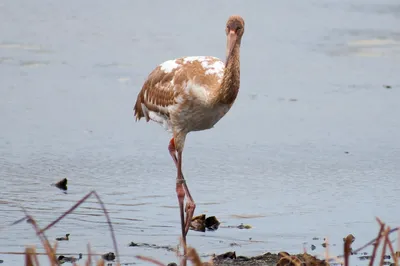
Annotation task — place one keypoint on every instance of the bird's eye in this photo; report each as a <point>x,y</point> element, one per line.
<point>238,28</point>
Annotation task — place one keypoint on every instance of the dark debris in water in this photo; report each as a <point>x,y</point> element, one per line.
<point>146,245</point>
<point>62,259</point>
<point>62,184</point>
<point>110,256</point>
<point>240,226</point>
<point>64,238</point>
<point>201,223</point>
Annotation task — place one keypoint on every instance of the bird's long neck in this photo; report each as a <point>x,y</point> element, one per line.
<point>230,84</point>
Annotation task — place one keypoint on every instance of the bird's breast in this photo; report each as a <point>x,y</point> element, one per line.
<point>196,117</point>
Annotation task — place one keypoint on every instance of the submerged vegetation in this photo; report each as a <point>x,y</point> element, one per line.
<point>228,258</point>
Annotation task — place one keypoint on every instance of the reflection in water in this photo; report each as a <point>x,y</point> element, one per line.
<point>319,166</point>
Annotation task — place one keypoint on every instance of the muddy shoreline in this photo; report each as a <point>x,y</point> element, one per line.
<point>270,259</point>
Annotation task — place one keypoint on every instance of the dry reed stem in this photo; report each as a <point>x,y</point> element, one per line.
<point>28,256</point>
<point>395,259</point>
<point>154,261</point>
<point>89,260</point>
<point>376,244</point>
<point>100,262</point>
<point>45,242</point>
<point>347,252</point>
<point>384,236</point>
<point>398,240</point>
<point>194,257</point>
<point>50,252</point>
<point>374,240</point>
<point>326,249</point>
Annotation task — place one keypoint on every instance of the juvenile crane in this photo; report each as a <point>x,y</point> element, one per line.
<point>191,94</point>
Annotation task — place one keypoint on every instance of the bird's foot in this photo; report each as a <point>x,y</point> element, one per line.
<point>189,209</point>
<point>180,192</point>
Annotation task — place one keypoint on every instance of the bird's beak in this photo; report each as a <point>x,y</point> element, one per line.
<point>231,42</point>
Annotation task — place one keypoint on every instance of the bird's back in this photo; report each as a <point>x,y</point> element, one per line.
<point>175,82</point>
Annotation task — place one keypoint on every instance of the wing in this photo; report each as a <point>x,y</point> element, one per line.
<point>167,85</point>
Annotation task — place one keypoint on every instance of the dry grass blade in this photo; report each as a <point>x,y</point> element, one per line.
<point>194,257</point>
<point>156,262</point>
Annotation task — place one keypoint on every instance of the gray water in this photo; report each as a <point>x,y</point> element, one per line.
<point>310,148</point>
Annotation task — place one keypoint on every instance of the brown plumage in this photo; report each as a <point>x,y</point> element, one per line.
<point>192,94</point>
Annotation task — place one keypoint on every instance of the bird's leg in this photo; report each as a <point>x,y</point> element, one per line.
<point>190,205</point>
<point>179,191</point>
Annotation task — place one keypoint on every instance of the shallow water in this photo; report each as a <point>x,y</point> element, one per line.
<point>309,149</point>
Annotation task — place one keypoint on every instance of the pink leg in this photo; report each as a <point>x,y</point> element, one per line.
<point>181,190</point>
<point>190,205</point>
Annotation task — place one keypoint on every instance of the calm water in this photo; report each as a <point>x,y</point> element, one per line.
<point>311,147</point>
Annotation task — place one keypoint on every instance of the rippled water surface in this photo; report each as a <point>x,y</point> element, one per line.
<point>310,148</point>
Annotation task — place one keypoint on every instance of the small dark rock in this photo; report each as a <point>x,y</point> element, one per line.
<point>244,226</point>
<point>63,258</point>
<point>313,247</point>
<point>110,256</point>
<point>315,238</point>
<point>283,254</point>
<point>387,86</point>
<point>227,255</point>
<point>212,223</point>
<point>172,264</point>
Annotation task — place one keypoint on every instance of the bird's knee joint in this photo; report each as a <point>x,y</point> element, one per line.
<point>180,192</point>
<point>190,206</point>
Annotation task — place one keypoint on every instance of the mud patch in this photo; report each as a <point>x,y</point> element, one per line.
<point>282,258</point>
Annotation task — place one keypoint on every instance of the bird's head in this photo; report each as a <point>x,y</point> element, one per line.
<point>234,32</point>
